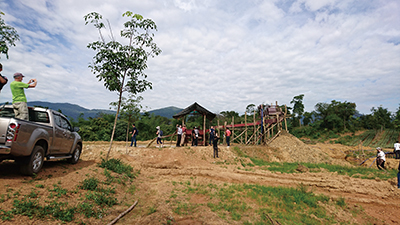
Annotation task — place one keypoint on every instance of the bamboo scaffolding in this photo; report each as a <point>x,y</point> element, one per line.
<point>239,135</point>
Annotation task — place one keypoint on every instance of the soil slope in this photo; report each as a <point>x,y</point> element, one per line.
<point>160,168</point>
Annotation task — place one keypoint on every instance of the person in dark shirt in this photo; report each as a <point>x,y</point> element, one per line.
<point>398,177</point>
<point>134,134</point>
<point>215,144</point>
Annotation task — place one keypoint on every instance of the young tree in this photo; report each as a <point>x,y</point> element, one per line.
<point>298,107</point>
<point>121,66</point>
<point>8,36</point>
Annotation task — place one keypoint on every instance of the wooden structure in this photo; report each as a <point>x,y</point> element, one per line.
<point>263,131</point>
<point>195,107</point>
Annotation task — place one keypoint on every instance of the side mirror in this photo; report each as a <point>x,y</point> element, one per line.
<point>76,129</point>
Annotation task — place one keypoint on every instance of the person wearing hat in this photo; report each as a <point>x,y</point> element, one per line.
<point>19,99</point>
<point>380,158</point>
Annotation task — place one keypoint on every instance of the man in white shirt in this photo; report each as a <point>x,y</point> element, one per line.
<point>380,158</point>
<point>397,150</point>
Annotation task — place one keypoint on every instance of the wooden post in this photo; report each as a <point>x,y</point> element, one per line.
<point>219,131</point>
<point>254,127</point>
<point>233,128</point>
<point>204,130</point>
<point>285,119</point>
<point>245,125</point>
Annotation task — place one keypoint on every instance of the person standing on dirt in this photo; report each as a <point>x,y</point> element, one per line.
<point>20,104</point>
<point>179,134</point>
<point>380,158</point>
<point>159,134</point>
<point>228,137</point>
<point>212,133</point>
<point>196,136</point>
<point>183,135</point>
<point>398,177</point>
<point>215,144</point>
<point>134,134</point>
<point>397,150</point>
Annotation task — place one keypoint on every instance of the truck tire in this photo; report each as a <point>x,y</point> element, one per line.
<point>33,163</point>
<point>75,155</point>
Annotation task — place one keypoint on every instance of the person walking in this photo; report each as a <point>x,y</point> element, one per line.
<point>19,99</point>
<point>179,134</point>
<point>397,150</point>
<point>134,134</point>
<point>3,79</point>
<point>228,137</point>
<point>159,134</point>
<point>380,158</point>
<point>215,144</point>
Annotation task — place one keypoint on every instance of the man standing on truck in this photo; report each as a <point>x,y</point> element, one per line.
<point>19,99</point>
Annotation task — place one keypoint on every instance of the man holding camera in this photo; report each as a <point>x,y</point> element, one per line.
<point>19,99</point>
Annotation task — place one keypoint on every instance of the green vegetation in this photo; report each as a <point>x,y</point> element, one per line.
<point>258,204</point>
<point>94,197</point>
<point>371,138</point>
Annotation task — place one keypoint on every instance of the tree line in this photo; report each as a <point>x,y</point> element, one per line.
<point>326,118</point>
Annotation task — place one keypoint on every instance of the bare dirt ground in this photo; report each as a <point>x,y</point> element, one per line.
<point>160,168</point>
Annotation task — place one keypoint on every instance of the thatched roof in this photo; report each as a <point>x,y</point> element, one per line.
<point>198,108</point>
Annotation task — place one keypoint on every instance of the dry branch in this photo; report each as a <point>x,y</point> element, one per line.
<point>123,214</point>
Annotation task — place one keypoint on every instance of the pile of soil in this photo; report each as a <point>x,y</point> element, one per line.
<point>291,149</point>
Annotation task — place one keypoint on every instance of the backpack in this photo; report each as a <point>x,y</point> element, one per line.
<point>161,133</point>
<point>137,132</point>
<point>1,84</point>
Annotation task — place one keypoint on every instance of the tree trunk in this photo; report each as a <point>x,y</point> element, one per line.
<point>116,116</point>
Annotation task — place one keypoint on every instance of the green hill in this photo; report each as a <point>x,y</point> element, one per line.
<point>74,111</point>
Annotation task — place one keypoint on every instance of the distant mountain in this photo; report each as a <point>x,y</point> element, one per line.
<point>166,112</point>
<point>73,110</point>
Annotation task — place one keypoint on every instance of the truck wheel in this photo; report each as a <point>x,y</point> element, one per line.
<point>34,163</point>
<point>75,155</point>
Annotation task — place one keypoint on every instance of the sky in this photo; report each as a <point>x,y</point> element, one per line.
<point>222,54</point>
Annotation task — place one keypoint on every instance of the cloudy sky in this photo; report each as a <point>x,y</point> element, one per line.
<point>223,54</point>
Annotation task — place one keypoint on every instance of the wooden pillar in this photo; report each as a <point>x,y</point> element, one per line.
<point>219,131</point>
<point>204,130</point>
<point>233,128</point>
<point>245,127</point>
<point>254,127</point>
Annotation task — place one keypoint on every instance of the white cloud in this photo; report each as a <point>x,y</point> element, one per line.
<point>224,55</point>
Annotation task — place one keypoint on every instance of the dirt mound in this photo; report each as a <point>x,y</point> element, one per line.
<point>291,149</point>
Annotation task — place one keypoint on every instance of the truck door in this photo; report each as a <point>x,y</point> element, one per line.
<point>63,137</point>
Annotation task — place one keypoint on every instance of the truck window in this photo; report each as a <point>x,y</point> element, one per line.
<point>62,122</point>
<point>38,116</point>
<point>7,112</point>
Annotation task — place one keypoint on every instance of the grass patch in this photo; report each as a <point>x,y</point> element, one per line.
<point>93,197</point>
<point>361,172</point>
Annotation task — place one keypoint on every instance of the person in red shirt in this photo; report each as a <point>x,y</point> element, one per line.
<point>228,136</point>
<point>183,135</point>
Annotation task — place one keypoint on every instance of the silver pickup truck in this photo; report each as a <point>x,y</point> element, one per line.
<point>48,134</point>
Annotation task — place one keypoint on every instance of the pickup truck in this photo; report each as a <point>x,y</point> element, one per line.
<point>48,134</point>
